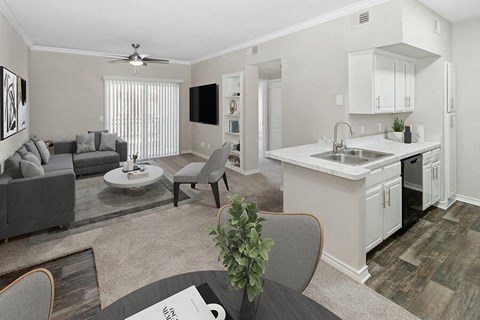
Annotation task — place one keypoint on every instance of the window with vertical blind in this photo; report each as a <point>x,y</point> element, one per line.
<point>145,113</point>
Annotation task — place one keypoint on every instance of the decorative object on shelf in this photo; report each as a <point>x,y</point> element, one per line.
<point>407,136</point>
<point>238,146</point>
<point>234,160</point>
<point>235,94</point>
<point>233,106</point>
<point>243,251</point>
<point>398,127</point>
<point>233,126</point>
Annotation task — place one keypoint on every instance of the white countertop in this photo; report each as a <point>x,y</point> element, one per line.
<point>301,155</point>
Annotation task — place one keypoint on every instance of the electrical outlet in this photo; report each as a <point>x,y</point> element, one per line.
<point>380,128</point>
<point>362,129</point>
<point>339,100</point>
<point>202,144</point>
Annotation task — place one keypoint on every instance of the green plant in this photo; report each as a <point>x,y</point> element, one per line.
<point>134,157</point>
<point>242,250</point>
<point>398,124</point>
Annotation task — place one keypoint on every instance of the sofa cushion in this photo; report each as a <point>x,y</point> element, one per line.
<point>31,169</point>
<point>22,151</point>
<point>85,143</point>
<point>97,158</point>
<point>97,136</point>
<point>31,147</point>
<point>107,141</point>
<point>43,150</point>
<point>59,162</point>
<point>32,158</point>
<point>13,166</point>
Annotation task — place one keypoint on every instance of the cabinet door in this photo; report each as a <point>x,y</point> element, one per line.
<point>435,182</point>
<point>392,214</point>
<point>374,217</point>
<point>400,95</point>
<point>384,81</point>
<point>409,86</point>
<point>450,87</point>
<point>452,156</point>
<point>427,186</point>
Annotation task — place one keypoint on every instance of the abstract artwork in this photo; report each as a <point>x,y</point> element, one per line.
<point>9,104</point>
<point>22,103</point>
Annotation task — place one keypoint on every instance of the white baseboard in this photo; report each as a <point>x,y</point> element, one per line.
<point>186,151</point>
<point>445,204</point>
<point>249,172</point>
<point>475,202</point>
<point>201,155</point>
<point>361,275</point>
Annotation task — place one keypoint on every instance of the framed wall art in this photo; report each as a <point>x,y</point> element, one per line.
<point>9,104</point>
<point>21,103</point>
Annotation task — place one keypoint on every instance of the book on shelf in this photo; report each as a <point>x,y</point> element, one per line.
<point>233,126</point>
<point>187,304</point>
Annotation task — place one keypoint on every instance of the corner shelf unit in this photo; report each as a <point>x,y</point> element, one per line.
<point>232,117</point>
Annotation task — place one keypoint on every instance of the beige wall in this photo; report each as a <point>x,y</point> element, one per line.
<point>68,94</point>
<point>15,56</point>
<point>466,49</point>
<point>314,71</point>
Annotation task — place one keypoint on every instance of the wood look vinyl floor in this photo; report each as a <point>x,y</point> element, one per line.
<point>433,270</point>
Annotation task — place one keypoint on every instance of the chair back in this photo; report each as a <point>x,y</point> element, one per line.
<point>297,250</point>
<point>214,168</point>
<point>28,297</point>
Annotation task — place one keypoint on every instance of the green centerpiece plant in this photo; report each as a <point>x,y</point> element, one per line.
<point>398,127</point>
<point>243,251</point>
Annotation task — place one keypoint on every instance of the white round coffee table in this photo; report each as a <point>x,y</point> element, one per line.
<point>118,179</point>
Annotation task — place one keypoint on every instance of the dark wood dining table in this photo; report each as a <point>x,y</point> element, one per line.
<point>277,302</point>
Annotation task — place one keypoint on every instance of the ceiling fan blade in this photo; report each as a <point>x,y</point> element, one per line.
<point>115,56</point>
<point>143,56</point>
<point>156,60</point>
<point>118,60</point>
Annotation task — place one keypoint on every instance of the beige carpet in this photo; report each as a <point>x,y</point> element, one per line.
<point>168,241</point>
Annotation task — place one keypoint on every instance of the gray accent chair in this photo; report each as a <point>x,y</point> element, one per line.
<point>29,297</point>
<point>298,246</point>
<point>204,172</point>
<point>93,162</point>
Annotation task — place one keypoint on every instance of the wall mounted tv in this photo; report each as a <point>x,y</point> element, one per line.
<point>204,104</point>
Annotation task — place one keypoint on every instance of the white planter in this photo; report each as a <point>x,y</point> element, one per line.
<point>398,136</point>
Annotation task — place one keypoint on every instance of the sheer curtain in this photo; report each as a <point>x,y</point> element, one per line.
<point>145,113</point>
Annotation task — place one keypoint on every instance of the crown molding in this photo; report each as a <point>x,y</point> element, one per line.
<point>10,16</point>
<point>363,5</point>
<point>90,53</point>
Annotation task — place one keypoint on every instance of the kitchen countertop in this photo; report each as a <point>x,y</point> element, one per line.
<point>301,155</point>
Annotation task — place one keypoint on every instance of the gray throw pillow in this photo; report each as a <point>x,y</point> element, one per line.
<point>97,137</point>
<point>31,147</point>
<point>85,143</point>
<point>30,169</point>
<point>22,151</point>
<point>32,158</point>
<point>13,166</point>
<point>107,141</point>
<point>43,150</point>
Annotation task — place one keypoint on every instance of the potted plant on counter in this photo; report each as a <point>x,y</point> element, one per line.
<point>243,251</point>
<point>398,128</point>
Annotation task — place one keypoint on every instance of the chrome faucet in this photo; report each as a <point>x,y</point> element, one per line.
<point>336,145</point>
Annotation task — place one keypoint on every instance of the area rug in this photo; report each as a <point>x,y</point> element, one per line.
<point>76,285</point>
<point>98,205</point>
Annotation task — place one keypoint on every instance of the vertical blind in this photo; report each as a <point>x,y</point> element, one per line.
<point>145,114</point>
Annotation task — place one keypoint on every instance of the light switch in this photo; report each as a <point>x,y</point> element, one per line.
<point>100,118</point>
<point>339,100</point>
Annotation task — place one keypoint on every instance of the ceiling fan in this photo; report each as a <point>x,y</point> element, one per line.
<point>136,59</point>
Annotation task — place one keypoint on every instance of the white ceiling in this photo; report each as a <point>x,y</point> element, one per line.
<point>187,30</point>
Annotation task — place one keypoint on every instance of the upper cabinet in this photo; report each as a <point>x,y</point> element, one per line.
<point>380,82</point>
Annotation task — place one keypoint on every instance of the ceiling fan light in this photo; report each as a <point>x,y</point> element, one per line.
<point>136,63</point>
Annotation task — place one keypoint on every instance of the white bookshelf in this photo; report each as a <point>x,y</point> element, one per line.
<point>232,110</point>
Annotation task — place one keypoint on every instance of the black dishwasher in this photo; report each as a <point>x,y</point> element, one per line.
<point>412,191</point>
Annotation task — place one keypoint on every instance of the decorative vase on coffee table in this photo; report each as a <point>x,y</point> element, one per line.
<point>247,309</point>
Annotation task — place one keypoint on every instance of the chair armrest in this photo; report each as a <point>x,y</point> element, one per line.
<point>65,147</point>
<point>4,181</point>
<point>30,198</point>
<point>121,147</point>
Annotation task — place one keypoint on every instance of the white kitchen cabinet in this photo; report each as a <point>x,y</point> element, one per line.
<point>404,86</point>
<point>450,87</point>
<point>380,82</point>
<point>431,178</point>
<point>383,204</point>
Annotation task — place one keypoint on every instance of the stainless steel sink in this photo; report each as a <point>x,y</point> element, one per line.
<point>351,156</point>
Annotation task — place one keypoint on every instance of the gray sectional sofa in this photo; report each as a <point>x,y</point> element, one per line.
<point>48,200</point>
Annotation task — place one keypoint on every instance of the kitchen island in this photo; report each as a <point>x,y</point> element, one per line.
<point>336,194</point>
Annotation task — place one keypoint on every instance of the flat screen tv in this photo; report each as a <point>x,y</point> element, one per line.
<point>204,104</point>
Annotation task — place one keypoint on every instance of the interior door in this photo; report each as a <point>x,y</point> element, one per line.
<point>274,114</point>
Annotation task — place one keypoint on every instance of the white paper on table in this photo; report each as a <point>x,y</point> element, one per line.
<point>185,305</point>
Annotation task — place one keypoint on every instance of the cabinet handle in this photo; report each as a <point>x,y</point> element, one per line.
<point>378,103</point>
<point>405,102</point>
<point>383,199</point>
<point>388,192</point>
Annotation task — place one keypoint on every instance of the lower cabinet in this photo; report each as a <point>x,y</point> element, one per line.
<point>383,204</point>
<point>431,178</point>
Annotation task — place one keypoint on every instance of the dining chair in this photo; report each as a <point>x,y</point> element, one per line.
<point>298,246</point>
<point>204,172</point>
<point>30,297</point>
